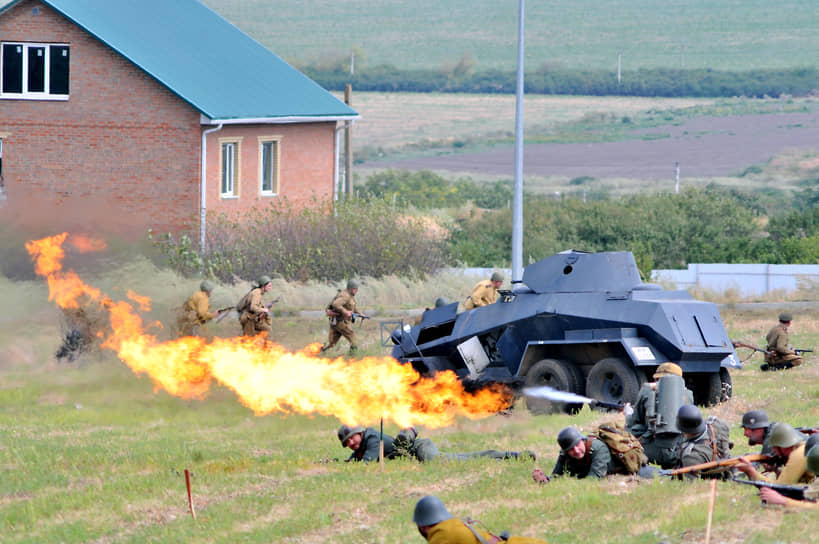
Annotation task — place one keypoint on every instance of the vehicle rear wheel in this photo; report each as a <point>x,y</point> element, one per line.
<point>707,388</point>
<point>556,374</point>
<point>727,388</point>
<point>613,380</point>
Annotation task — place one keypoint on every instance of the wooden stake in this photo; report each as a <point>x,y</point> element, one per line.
<point>710,511</point>
<point>190,497</point>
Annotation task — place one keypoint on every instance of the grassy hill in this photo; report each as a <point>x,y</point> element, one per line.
<point>587,34</point>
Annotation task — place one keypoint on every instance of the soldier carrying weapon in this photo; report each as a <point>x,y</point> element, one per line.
<point>342,312</point>
<point>780,355</point>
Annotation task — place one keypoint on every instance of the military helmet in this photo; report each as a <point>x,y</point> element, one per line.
<point>430,511</point>
<point>568,438</point>
<point>666,369</point>
<point>785,436</point>
<point>755,419</point>
<point>345,432</point>
<point>206,285</point>
<point>496,276</point>
<point>353,283</point>
<point>813,459</point>
<point>440,301</point>
<point>813,440</point>
<point>785,317</point>
<point>689,419</point>
<point>263,280</point>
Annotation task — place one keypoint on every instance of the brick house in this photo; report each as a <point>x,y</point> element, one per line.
<point>131,115</point>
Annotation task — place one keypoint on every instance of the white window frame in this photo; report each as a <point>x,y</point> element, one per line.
<point>25,94</point>
<point>235,145</point>
<point>276,143</point>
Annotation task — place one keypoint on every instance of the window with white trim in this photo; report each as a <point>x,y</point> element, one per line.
<point>269,153</point>
<point>229,153</point>
<point>34,71</point>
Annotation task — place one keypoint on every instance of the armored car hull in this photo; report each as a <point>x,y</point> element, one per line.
<point>578,322</point>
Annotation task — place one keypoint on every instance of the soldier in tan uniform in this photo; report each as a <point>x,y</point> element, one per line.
<point>438,526</point>
<point>196,311</point>
<point>254,316</point>
<point>485,292</point>
<point>783,356</point>
<point>340,313</point>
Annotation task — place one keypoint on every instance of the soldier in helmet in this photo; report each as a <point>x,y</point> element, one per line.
<point>653,420</point>
<point>254,316</point>
<point>438,526</point>
<point>789,444</point>
<point>771,496</point>
<point>485,292</point>
<point>580,456</point>
<point>783,355</point>
<point>196,310</point>
<point>757,429</point>
<point>702,440</point>
<point>340,313</point>
<point>439,303</point>
<point>364,441</point>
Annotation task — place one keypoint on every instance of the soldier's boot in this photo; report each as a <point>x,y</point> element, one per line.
<point>764,367</point>
<point>324,348</point>
<point>353,350</point>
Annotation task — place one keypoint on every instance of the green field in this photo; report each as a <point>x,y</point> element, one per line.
<point>91,452</point>
<point>577,34</point>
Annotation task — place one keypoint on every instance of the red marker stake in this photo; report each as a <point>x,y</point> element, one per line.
<point>190,497</point>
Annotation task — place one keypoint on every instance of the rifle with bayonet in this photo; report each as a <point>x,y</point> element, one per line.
<point>721,465</point>
<point>796,492</point>
<point>738,344</point>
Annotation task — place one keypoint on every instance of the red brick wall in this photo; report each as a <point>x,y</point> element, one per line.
<point>123,153</point>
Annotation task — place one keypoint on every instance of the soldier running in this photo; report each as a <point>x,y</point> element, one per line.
<point>254,316</point>
<point>196,311</point>
<point>340,313</point>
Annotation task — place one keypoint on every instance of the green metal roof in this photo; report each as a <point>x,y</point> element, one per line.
<point>204,59</point>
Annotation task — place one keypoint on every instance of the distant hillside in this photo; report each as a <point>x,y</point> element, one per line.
<point>481,35</point>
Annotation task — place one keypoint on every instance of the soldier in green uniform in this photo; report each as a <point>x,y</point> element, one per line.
<point>196,311</point>
<point>757,430</point>
<point>580,457</point>
<point>365,445</point>
<point>340,313</point>
<point>254,316</point>
<point>485,292</point>
<point>437,526</point>
<point>782,355</point>
<point>653,420</point>
<point>702,440</point>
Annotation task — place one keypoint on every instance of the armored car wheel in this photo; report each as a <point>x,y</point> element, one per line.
<point>727,388</point>
<point>613,380</point>
<point>557,374</point>
<point>707,388</point>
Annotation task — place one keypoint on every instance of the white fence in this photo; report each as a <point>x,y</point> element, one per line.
<point>747,279</point>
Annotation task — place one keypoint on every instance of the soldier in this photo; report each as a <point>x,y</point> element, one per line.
<point>437,526</point>
<point>365,445</point>
<point>485,292</point>
<point>254,316</point>
<point>340,313</point>
<point>771,496</point>
<point>702,441</point>
<point>196,310</point>
<point>580,457</point>
<point>439,302</point>
<point>757,429</point>
<point>782,355</point>
<point>789,444</point>
<point>653,420</point>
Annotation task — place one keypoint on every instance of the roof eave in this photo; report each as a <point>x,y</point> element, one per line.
<point>205,120</point>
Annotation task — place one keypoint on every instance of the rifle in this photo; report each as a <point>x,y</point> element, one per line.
<point>801,351</point>
<point>722,464</point>
<point>223,312</point>
<point>738,344</point>
<point>807,430</point>
<point>796,492</point>
<point>362,317</point>
<point>272,302</point>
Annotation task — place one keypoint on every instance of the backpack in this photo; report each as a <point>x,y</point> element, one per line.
<point>244,303</point>
<point>625,448</point>
<point>719,432</point>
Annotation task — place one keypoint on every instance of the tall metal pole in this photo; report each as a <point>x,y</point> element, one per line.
<point>517,199</point>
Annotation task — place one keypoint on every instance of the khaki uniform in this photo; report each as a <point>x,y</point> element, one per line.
<point>340,324</point>
<point>253,317</point>
<point>783,357</point>
<point>455,531</point>
<point>483,293</point>
<point>195,312</point>
<point>795,470</point>
<point>811,494</point>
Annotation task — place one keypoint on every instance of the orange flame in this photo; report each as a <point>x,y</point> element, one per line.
<point>265,376</point>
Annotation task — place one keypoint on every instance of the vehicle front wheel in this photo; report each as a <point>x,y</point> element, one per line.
<point>613,380</point>
<point>556,374</point>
